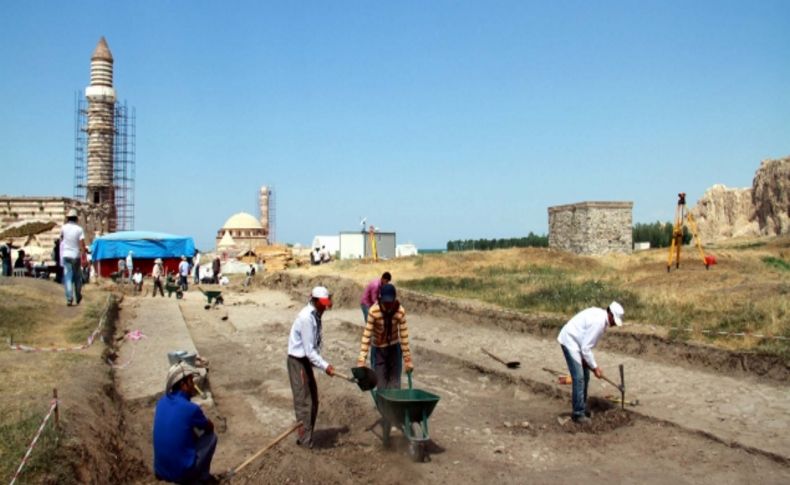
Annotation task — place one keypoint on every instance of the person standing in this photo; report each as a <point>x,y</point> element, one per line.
<point>156,273</point>
<point>56,258</point>
<point>577,338</point>
<point>72,252</point>
<point>129,265</point>
<point>304,353</point>
<point>121,270</point>
<point>371,294</point>
<point>196,269</point>
<point>180,455</point>
<point>183,273</point>
<point>5,255</point>
<point>386,335</point>
<point>216,267</point>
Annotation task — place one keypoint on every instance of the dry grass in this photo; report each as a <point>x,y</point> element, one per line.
<point>747,291</point>
<point>34,312</point>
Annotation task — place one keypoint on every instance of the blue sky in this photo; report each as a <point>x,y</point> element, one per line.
<point>439,120</point>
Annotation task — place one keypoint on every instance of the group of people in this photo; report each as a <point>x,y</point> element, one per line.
<point>320,255</point>
<point>182,455</point>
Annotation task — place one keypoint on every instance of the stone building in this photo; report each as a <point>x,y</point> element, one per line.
<point>591,227</point>
<point>36,221</point>
<point>244,231</point>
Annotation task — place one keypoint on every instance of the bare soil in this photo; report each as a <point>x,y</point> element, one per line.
<point>486,428</point>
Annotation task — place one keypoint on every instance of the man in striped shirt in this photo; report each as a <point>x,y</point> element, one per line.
<point>386,335</point>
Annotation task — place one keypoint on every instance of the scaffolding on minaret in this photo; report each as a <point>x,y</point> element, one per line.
<point>124,158</point>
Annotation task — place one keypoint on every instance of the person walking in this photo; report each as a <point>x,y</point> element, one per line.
<point>304,353</point>
<point>386,336</point>
<point>577,338</point>
<point>180,455</point>
<point>72,253</point>
<point>371,294</point>
<point>183,274</point>
<point>156,273</point>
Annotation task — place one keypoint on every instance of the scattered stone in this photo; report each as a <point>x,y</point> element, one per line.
<point>499,449</point>
<point>562,420</point>
<point>508,424</point>
<point>525,424</point>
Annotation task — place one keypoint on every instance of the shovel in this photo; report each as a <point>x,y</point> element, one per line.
<point>233,471</point>
<point>364,377</point>
<point>514,364</point>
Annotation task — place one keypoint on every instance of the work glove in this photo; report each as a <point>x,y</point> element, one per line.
<point>408,366</point>
<point>330,370</point>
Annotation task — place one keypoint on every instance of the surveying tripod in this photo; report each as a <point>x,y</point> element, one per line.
<point>677,234</point>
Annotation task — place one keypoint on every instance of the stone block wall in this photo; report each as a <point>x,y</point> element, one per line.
<point>592,227</point>
<point>16,212</point>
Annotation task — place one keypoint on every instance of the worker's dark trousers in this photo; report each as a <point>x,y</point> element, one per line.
<point>204,449</point>
<point>581,377</point>
<point>158,284</point>
<point>305,392</point>
<point>387,363</point>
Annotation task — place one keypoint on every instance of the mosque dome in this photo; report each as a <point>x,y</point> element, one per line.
<point>242,220</point>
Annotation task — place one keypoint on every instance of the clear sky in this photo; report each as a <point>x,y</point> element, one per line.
<point>438,120</point>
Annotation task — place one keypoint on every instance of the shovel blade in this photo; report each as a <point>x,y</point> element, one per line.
<point>365,377</point>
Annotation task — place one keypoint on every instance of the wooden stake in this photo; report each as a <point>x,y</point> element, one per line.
<point>57,408</point>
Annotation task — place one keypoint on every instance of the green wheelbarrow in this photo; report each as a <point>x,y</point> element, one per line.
<point>171,288</point>
<point>411,408</point>
<point>215,295</point>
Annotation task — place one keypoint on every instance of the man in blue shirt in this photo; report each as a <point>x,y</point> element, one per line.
<point>180,455</point>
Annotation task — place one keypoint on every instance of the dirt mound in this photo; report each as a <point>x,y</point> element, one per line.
<point>771,197</point>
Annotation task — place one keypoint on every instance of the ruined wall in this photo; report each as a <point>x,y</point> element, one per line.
<point>591,227</point>
<point>763,209</point>
<point>18,212</point>
<point>724,212</point>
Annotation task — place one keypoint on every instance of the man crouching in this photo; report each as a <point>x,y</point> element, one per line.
<point>180,454</point>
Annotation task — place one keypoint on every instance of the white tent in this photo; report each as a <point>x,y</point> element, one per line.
<point>403,250</point>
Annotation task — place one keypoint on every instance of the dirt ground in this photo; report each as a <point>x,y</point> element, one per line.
<point>486,427</point>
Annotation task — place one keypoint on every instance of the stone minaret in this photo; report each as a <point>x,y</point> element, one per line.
<point>101,130</point>
<point>263,199</point>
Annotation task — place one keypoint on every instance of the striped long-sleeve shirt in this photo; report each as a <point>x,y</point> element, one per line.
<point>374,333</point>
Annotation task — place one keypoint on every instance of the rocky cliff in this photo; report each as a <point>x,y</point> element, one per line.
<point>763,209</point>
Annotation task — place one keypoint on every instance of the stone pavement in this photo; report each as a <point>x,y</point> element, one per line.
<point>742,411</point>
<point>160,320</point>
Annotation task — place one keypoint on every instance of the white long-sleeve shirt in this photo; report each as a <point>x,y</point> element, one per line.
<point>582,333</point>
<point>305,338</point>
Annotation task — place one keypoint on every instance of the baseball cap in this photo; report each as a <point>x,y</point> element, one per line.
<point>322,294</point>
<point>387,293</point>
<point>178,372</point>
<point>617,312</point>
<point>72,213</point>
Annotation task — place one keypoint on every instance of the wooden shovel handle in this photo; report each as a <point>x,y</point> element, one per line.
<point>281,437</point>
<point>493,356</point>
<point>343,376</point>
<point>612,383</point>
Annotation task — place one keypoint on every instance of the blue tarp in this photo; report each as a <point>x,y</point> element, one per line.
<point>144,244</point>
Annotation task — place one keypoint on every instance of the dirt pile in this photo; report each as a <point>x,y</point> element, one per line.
<point>763,209</point>
<point>771,197</point>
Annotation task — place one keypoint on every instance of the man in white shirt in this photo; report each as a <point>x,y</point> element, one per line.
<point>196,268</point>
<point>129,265</point>
<point>577,338</point>
<point>183,273</point>
<point>72,251</point>
<point>304,353</point>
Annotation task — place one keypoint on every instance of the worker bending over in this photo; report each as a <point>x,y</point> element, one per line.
<point>578,337</point>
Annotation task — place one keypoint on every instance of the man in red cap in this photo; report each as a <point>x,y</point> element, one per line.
<point>304,353</point>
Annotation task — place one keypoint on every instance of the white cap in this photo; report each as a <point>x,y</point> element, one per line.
<point>320,292</point>
<point>72,213</point>
<point>617,312</point>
